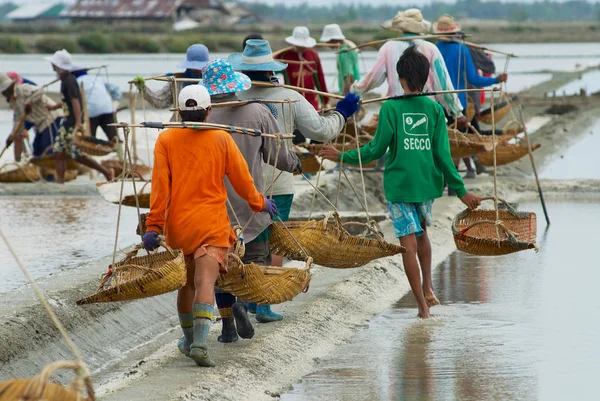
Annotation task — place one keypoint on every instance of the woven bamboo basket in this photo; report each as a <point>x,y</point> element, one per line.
<point>465,145</point>
<point>511,129</point>
<point>500,111</point>
<point>139,170</point>
<point>328,243</point>
<point>92,146</point>
<point>371,126</point>
<point>264,284</point>
<point>49,162</point>
<point>39,388</point>
<point>476,231</point>
<point>19,173</point>
<point>137,277</point>
<point>470,112</point>
<point>506,153</point>
<point>110,191</point>
<point>70,175</point>
<point>310,163</point>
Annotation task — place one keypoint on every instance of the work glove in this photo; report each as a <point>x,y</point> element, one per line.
<point>298,168</point>
<point>348,105</point>
<point>139,82</point>
<point>27,108</point>
<point>151,241</point>
<point>271,208</point>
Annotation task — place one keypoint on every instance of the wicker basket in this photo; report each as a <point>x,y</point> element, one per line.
<point>310,163</point>
<point>511,129</point>
<point>264,284</point>
<point>49,162</point>
<point>110,191</point>
<point>470,111</point>
<point>371,126</point>
<point>505,153</point>
<point>19,173</point>
<point>70,175</point>
<point>476,231</point>
<point>38,388</point>
<point>139,170</point>
<point>466,145</point>
<point>91,146</point>
<point>500,111</point>
<point>137,277</point>
<point>328,243</point>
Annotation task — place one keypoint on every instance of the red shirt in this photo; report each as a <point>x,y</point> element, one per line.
<point>304,75</point>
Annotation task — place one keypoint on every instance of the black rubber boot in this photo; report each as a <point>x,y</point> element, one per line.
<point>242,322</point>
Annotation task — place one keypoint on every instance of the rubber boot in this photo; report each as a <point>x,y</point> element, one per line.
<point>242,322</point>
<point>252,307</point>
<point>264,314</point>
<point>186,320</point>
<point>203,314</point>
<point>224,303</point>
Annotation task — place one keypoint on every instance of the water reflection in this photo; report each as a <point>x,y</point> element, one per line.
<point>516,327</point>
<point>51,234</point>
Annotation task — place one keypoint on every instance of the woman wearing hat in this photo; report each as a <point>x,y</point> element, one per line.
<point>347,62</point>
<point>257,62</point>
<point>196,58</point>
<point>305,70</point>
<point>223,83</point>
<point>411,24</point>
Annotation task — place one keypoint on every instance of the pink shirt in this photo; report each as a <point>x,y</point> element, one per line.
<point>385,68</point>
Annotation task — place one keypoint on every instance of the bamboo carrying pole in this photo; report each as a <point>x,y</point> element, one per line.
<point>537,179</point>
<point>296,88</point>
<point>197,125</point>
<point>449,38</point>
<point>238,103</point>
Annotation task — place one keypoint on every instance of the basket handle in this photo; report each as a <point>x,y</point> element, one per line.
<point>508,206</point>
<point>133,253</point>
<point>507,125</point>
<point>37,385</point>
<point>372,226</point>
<point>309,262</point>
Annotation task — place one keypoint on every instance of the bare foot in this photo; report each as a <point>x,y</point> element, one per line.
<point>430,298</point>
<point>423,313</point>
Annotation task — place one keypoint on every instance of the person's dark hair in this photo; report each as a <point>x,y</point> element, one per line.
<point>256,75</point>
<point>193,115</point>
<point>413,67</point>
<point>251,36</point>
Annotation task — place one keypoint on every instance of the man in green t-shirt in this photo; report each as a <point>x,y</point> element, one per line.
<point>347,62</point>
<point>417,162</point>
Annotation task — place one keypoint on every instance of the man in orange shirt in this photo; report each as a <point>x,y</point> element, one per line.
<point>188,204</point>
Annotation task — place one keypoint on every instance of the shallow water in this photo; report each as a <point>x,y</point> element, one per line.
<point>579,160</point>
<point>589,82</point>
<point>515,327</point>
<point>54,234</point>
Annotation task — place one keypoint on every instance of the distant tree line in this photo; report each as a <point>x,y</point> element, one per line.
<point>545,10</point>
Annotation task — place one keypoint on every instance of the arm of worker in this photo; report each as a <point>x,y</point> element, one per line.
<point>376,77</point>
<point>442,82</point>
<point>377,146</point>
<point>286,159</point>
<point>161,189</point>
<point>239,176</point>
<point>77,112</point>
<point>113,91</point>
<point>472,76</point>
<point>313,125</point>
<point>440,146</point>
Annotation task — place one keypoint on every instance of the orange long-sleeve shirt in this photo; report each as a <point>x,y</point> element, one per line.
<point>188,198</point>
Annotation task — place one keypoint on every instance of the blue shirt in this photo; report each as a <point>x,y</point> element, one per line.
<point>456,55</point>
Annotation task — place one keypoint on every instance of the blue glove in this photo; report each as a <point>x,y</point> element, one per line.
<point>271,208</point>
<point>151,241</point>
<point>348,105</point>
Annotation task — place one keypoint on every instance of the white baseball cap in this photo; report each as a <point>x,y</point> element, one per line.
<point>197,93</point>
<point>62,59</point>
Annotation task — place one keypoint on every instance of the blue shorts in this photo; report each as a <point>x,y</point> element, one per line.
<point>409,218</point>
<point>284,205</point>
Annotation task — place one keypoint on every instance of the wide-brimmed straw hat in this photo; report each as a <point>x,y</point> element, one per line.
<point>61,59</point>
<point>257,56</point>
<point>196,57</point>
<point>5,82</point>
<point>301,37</point>
<point>446,24</point>
<point>218,77</point>
<point>332,32</point>
<point>410,21</point>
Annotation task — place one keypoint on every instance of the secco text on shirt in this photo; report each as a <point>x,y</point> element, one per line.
<point>416,127</point>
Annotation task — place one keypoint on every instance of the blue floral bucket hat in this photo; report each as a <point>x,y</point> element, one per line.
<point>218,77</point>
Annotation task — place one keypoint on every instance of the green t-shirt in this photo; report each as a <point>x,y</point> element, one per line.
<point>418,158</point>
<point>347,64</point>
